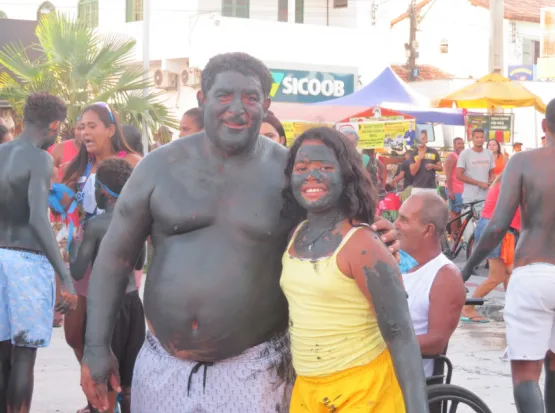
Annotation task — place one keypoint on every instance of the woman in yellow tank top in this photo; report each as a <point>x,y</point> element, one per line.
<point>353,345</point>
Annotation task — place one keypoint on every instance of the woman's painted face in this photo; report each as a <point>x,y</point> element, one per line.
<point>269,131</point>
<point>493,146</point>
<point>316,178</point>
<point>96,136</point>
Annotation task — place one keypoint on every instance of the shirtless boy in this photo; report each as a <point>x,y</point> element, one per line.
<point>528,181</point>
<point>129,331</point>
<point>29,252</point>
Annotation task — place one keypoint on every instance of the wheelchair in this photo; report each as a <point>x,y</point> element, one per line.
<point>444,397</point>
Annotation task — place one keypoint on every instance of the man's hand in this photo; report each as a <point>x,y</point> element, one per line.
<point>68,299</point>
<point>483,185</point>
<point>99,366</point>
<point>430,166</point>
<point>466,272</point>
<point>452,195</point>
<point>388,235</point>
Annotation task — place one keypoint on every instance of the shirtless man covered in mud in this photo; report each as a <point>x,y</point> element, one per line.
<point>528,181</point>
<point>29,252</point>
<point>212,205</point>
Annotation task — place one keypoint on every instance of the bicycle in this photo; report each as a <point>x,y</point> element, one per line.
<point>444,397</point>
<point>452,252</point>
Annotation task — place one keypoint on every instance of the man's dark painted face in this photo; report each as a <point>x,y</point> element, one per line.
<point>233,111</point>
<point>100,196</point>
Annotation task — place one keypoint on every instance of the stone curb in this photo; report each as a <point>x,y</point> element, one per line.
<point>492,309</point>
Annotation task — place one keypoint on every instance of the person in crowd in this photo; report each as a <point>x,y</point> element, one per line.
<point>162,137</point>
<point>500,160</point>
<point>455,187</point>
<point>517,147</point>
<point>371,341</point>
<point>192,122</point>
<point>530,298</point>
<point>5,135</point>
<point>375,168</point>
<point>273,129</point>
<point>129,331</point>
<point>403,174</point>
<point>500,259</point>
<point>475,169</point>
<point>64,152</point>
<point>134,139</point>
<point>102,139</point>
<point>29,255</point>
<point>435,288</point>
<point>424,165</point>
<point>210,331</point>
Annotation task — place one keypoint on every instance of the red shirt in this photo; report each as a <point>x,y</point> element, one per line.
<point>491,201</point>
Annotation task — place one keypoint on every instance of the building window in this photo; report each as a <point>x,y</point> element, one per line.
<point>299,11</point>
<point>283,10</point>
<point>134,11</point>
<point>44,9</point>
<point>340,3</point>
<point>88,12</point>
<point>3,15</point>
<point>235,8</point>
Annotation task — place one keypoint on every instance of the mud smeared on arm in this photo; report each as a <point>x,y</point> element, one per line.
<point>379,279</point>
<point>82,254</point>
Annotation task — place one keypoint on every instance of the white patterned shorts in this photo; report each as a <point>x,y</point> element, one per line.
<point>252,382</point>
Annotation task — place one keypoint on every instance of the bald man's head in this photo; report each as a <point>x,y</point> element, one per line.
<point>421,222</point>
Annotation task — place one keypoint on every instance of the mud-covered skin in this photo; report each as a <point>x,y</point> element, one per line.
<point>390,303</point>
<point>520,186</point>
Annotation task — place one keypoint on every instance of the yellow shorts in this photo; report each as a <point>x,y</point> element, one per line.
<point>372,388</point>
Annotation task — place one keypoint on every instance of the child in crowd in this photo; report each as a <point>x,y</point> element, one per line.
<point>129,331</point>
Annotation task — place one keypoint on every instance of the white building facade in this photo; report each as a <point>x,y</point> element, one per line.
<point>316,49</point>
<point>463,26</point>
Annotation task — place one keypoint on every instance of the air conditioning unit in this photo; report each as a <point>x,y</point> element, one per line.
<point>165,80</point>
<point>190,77</point>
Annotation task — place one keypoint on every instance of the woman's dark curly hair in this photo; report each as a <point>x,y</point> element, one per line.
<point>358,199</point>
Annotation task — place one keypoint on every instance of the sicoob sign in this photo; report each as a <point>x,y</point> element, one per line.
<point>309,87</point>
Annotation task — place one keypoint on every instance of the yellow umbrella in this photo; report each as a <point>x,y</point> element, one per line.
<point>490,91</point>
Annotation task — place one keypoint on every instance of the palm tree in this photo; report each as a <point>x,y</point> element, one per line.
<point>81,66</point>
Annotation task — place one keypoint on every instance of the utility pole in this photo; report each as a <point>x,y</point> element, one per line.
<point>497,15</point>
<point>412,46</point>
<point>146,65</point>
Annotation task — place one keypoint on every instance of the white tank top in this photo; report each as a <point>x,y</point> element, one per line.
<point>418,285</point>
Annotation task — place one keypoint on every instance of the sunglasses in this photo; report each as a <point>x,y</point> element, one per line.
<point>105,106</point>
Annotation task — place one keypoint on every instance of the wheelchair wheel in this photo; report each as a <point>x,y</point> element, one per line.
<point>448,398</point>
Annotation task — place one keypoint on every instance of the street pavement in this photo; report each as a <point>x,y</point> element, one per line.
<point>476,351</point>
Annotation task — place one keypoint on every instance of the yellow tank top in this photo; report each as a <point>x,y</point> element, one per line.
<point>332,325</point>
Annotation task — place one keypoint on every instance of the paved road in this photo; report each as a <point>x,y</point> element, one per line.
<point>475,350</point>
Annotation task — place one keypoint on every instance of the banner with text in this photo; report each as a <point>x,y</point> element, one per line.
<point>382,135</point>
<point>499,127</point>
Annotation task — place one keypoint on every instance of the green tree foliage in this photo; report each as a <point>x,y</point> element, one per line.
<point>82,66</point>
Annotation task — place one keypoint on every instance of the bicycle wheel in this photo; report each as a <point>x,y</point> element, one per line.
<point>449,397</point>
<point>469,247</point>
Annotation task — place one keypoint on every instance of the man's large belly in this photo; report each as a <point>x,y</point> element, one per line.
<point>209,298</point>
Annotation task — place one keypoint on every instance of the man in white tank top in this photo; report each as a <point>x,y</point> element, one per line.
<point>435,288</point>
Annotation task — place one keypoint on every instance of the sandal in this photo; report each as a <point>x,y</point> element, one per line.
<point>84,410</point>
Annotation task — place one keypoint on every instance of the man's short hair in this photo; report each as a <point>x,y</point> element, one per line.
<point>134,138</point>
<point>197,115</point>
<point>236,62</point>
<point>114,173</point>
<point>478,130</point>
<point>424,132</point>
<point>41,109</point>
<point>433,210</point>
<point>458,139</point>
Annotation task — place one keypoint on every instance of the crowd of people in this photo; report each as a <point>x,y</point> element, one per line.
<point>273,286</point>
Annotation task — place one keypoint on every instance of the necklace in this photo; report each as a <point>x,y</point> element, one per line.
<point>310,244</point>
